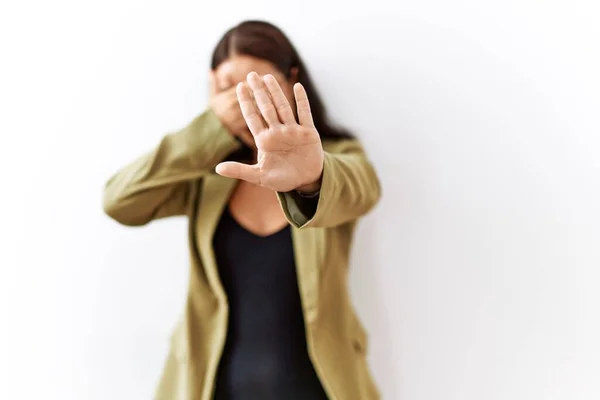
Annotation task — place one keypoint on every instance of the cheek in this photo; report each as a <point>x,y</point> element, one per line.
<point>288,90</point>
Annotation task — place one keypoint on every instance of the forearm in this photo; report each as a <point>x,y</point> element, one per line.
<point>348,189</point>
<point>155,184</point>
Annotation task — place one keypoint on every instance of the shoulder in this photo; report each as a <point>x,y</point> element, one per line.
<point>343,146</point>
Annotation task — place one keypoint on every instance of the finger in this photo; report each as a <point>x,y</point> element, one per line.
<point>232,98</point>
<point>230,169</point>
<point>263,100</point>
<point>282,105</point>
<point>303,106</point>
<point>249,110</point>
<point>212,84</point>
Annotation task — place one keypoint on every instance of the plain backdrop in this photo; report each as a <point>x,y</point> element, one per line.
<point>478,274</point>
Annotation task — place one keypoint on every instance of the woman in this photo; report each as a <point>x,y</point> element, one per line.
<point>272,192</point>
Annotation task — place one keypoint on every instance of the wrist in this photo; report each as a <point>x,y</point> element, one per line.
<point>310,189</point>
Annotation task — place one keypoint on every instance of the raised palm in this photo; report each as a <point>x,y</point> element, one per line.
<point>289,154</point>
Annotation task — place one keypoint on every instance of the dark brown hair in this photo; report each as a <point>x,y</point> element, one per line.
<point>265,41</point>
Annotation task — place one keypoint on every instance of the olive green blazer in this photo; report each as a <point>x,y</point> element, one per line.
<point>178,178</point>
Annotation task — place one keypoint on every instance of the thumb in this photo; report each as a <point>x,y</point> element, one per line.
<point>230,169</point>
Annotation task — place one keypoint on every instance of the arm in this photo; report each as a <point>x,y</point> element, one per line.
<point>292,157</point>
<point>157,185</point>
<point>349,189</point>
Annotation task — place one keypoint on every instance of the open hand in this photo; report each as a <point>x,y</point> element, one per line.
<point>289,154</point>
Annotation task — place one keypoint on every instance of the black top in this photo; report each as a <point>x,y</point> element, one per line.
<point>265,355</point>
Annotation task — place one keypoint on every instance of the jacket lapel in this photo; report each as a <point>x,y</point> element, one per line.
<point>215,194</point>
<point>309,257</point>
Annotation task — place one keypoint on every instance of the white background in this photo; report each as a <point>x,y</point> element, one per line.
<point>478,274</point>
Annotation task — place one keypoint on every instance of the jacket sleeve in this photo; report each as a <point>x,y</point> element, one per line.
<point>349,189</point>
<point>157,184</point>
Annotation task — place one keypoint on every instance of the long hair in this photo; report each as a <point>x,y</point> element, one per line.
<point>265,41</point>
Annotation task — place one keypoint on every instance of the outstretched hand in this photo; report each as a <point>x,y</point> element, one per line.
<point>289,154</point>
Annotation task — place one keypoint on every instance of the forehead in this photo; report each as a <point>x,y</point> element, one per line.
<point>237,67</point>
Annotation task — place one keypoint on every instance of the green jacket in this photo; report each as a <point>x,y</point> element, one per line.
<point>178,178</point>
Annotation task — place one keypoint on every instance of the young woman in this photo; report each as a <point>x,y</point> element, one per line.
<point>272,192</point>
